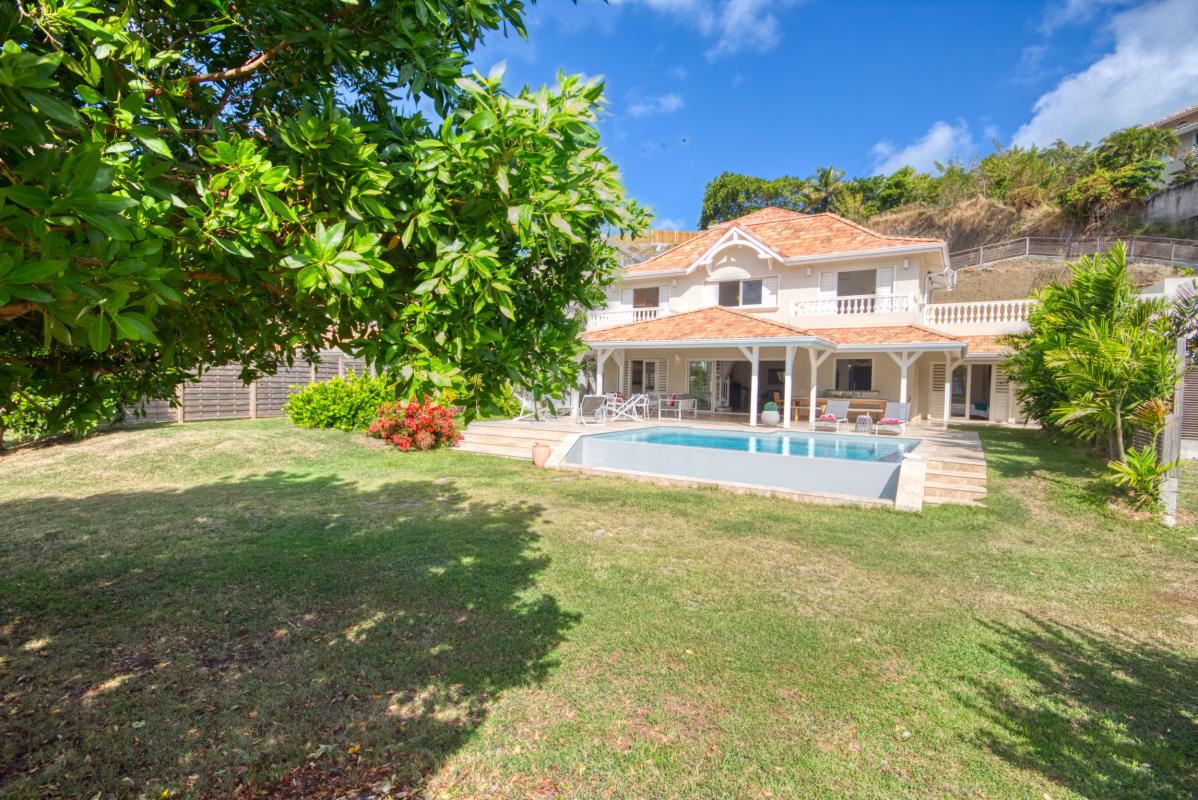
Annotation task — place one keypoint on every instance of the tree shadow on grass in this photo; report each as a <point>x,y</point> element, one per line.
<point>272,636</point>
<point>1033,453</point>
<point>1104,716</point>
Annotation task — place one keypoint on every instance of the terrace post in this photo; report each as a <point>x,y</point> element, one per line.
<point>619,354</point>
<point>948,387</point>
<point>788,387</point>
<point>753,354</point>
<point>904,359</point>
<point>815,362</point>
<point>601,357</point>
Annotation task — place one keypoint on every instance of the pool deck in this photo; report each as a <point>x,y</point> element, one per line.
<point>948,467</point>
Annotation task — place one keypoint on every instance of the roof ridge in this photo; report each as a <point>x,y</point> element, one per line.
<point>933,331</point>
<point>667,251</point>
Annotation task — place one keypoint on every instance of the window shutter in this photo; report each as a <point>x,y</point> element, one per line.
<point>769,291</point>
<point>626,298</point>
<point>885,281</point>
<point>663,296</point>
<point>827,284</point>
<point>661,382</point>
<point>613,295</point>
<point>1000,408</point>
<point>711,294</point>
<point>627,382</point>
<point>936,407</point>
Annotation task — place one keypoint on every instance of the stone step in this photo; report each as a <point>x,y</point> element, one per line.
<point>950,491</point>
<point>487,436</point>
<point>956,477</point>
<point>971,466</point>
<point>951,501</point>
<point>520,432</point>
<point>508,451</point>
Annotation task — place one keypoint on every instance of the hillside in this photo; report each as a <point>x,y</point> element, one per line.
<point>1019,278</point>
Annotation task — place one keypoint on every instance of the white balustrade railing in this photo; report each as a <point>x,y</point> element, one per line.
<point>606,317</point>
<point>985,312</point>
<point>854,304</point>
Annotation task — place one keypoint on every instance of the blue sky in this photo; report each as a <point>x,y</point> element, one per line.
<point>770,87</point>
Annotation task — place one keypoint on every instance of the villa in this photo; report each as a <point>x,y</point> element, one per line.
<point>798,309</point>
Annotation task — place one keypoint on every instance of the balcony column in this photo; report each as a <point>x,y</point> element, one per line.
<point>816,357</point>
<point>788,387</point>
<point>753,354</point>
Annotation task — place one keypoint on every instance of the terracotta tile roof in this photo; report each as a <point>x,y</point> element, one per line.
<point>788,233</point>
<point>888,335</point>
<point>705,324</point>
<point>979,345</point>
<point>1156,123</point>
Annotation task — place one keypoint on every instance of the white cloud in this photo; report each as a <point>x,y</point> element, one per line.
<point>1151,72</point>
<point>679,73</point>
<point>652,106</point>
<point>671,224</point>
<point>1075,12</point>
<point>941,143</point>
<point>734,25</point>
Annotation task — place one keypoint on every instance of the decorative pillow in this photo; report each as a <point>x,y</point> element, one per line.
<point>890,421</point>
<point>827,417</point>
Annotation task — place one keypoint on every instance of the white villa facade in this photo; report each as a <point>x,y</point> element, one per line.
<point>799,308</point>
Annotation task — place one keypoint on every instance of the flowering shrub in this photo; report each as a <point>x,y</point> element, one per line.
<point>422,426</point>
<point>347,403</point>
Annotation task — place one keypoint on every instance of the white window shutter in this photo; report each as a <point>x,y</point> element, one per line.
<point>663,296</point>
<point>936,398</point>
<point>661,381</point>
<point>885,280</point>
<point>1000,408</point>
<point>711,294</point>
<point>769,291</point>
<point>827,284</point>
<point>627,382</point>
<point>626,298</point>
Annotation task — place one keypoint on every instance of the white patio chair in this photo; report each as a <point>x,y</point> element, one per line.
<point>836,413</point>
<point>678,405</point>
<point>592,409</point>
<point>894,418</point>
<point>531,408</point>
<point>633,409</point>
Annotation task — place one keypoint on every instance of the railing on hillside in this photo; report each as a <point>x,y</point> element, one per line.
<point>986,312</point>
<point>606,317</point>
<point>1139,248</point>
<point>853,304</point>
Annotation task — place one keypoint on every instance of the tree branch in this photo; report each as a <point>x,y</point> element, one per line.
<point>14,310</point>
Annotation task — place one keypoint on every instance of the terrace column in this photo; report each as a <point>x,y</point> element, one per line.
<point>601,357</point>
<point>619,356</point>
<point>753,354</point>
<point>904,360</point>
<point>816,360</point>
<point>788,386</point>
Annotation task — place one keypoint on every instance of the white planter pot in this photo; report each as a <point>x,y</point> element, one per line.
<point>770,418</point>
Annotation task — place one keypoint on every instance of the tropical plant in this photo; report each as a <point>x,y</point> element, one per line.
<point>347,403</point>
<point>1189,167</point>
<point>212,183</point>
<point>823,189</point>
<point>730,195</point>
<point>421,426</point>
<point>1095,351</point>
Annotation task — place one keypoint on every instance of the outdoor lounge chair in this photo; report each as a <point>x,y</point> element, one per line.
<point>532,408</point>
<point>836,413</point>
<point>678,405</point>
<point>592,409</point>
<point>894,418</point>
<point>635,408</point>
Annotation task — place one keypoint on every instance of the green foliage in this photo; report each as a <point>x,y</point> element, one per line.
<point>347,404</point>
<point>205,183</point>
<point>1095,353</point>
<point>1141,474</point>
<point>1087,182</point>
<point>29,417</point>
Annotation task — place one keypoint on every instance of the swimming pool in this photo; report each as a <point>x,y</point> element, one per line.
<point>802,461</point>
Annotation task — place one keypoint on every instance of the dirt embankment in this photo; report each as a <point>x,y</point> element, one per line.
<point>1020,278</point>
<point>972,222</point>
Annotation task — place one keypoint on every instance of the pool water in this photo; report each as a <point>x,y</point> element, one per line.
<point>801,444</point>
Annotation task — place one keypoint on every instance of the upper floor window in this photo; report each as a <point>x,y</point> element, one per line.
<point>647,297</point>
<point>741,293</point>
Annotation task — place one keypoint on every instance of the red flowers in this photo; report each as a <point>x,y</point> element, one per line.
<point>422,426</point>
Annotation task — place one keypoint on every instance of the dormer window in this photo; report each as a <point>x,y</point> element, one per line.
<point>647,297</point>
<point>742,293</point>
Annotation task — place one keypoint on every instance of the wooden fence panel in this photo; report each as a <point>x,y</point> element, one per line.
<point>1189,409</point>
<point>272,391</point>
<point>218,394</point>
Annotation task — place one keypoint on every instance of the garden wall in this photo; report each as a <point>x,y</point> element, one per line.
<point>220,394</point>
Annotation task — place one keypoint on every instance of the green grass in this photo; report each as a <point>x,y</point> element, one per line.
<point>246,606</point>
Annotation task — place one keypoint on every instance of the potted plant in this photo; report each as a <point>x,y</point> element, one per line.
<point>540,454</point>
<point>769,414</point>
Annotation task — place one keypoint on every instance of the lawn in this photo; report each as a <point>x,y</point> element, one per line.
<point>249,609</point>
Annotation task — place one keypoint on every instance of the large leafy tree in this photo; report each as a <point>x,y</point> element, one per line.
<point>1095,353</point>
<point>730,195</point>
<point>190,183</point>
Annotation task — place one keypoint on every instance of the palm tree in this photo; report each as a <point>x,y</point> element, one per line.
<point>824,187</point>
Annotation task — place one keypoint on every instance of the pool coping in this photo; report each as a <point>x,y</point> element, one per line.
<point>908,496</point>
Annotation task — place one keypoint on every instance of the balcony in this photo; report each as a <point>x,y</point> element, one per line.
<point>607,317</point>
<point>1000,315</point>
<point>847,305</point>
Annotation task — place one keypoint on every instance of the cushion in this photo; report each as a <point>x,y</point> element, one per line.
<point>827,417</point>
<point>890,421</point>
